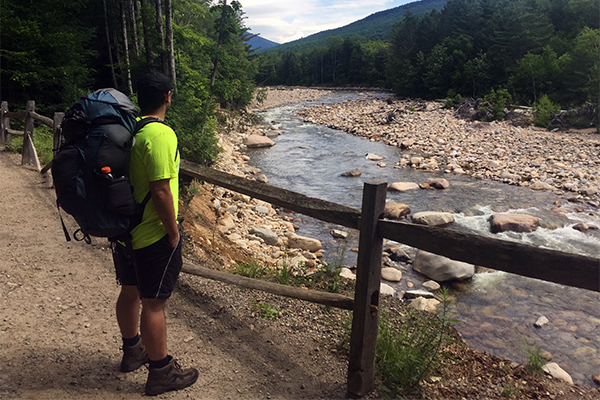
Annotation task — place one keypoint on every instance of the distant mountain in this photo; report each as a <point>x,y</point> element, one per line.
<point>261,43</point>
<point>374,27</point>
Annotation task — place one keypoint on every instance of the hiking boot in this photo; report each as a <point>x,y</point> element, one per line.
<point>134,357</point>
<point>169,377</point>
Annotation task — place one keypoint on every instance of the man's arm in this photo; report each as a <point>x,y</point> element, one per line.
<point>163,202</point>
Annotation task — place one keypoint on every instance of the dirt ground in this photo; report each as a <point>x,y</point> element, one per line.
<point>59,338</point>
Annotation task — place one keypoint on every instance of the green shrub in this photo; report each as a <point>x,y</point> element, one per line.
<point>407,352</point>
<point>251,269</point>
<point>495,103</point>
<point>535,361</point>
<point>544,110</point>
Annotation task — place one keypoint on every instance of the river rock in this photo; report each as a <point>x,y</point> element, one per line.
<point>541,321</point>
<point>225,224</point>
<point>413,294</point>
<point>596,379</point>
<point>396,210</point>
<point>539,185</point>
<point>433,218</point>
<point>373,157</point>
<point>261,209</point>
<point>346,273</point>
<point>440,268</point>
<point>256,141</point>
<point>391,274</point>
<point>513,222</point>
<point>438,183</point>
<point>402,186</point>
<point>399,255</point>
<point>304,243</point>
<point>432,286</point>
<point>268,236</point>
<point>423,304</point>
<point>405,144</point>
<point>338,234</point>
<point>554,370</point>
<point>510,177</point>
<point>262,178</point>
<point>353,173</point>
<point>386,289</point>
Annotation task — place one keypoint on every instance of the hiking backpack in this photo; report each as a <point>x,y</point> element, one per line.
<point>91,168</point>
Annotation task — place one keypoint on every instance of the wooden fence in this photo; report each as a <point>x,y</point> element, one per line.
<point>549,265</point>
<point>29,155</point>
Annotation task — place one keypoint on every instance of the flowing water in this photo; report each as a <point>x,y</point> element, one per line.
<point>497,310</point>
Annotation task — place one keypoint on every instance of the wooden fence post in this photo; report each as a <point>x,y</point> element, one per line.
<point>5,137</point>
<point>365,320</point>
<point>29,153</point>
<point>58,117</point>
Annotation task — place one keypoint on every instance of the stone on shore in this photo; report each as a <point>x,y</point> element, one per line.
<point>433,218</point>
<point>440,268</point>
<point>423,304</point>
<point>386,289</point>
<point>396,210</point>
<point>256,141</point>
<point>391,274</point>
<point>268,236</point>
<point>353,173</point>
<point>541,321</point>
<point>304,243</point>
<point>413,294</point>
<point>554,370</point>
<point>432,286</point>
<point>539,185</point>
<point>513,222</point>
<point>338,234</point>
<point>346,273</point>
<point>596,379</point>
<point>225,224</point>
<point>402,186</point>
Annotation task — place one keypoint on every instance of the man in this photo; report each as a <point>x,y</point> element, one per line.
<point>149,271</point>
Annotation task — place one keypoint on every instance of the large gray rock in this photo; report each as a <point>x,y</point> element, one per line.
<point>438,183</point>
<point>391,274</point>
<point>554,370</point>
<point>255,141</point>
<point>433,218</point>
<point>513,222</point>
<point>268,236</point>
<point>396,210</point>
<point>402,186</point>
<point>539,185</point>
<point>440,268</point>
<point>304,243</point>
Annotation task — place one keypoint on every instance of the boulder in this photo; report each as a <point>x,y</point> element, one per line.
<point>338,234</point>
<point>391,274</point>
<point>402,186</point>
<point>226,224</point>
<point>554,370</point>
<point>268,236</point>
<point>423,304</point>
<point>386,289</point>
<point>304,243</point>
<point>346,273</point>
<point>440,268</point>
<point>513,222</point>
<point>432,286</point>
<point>256,141</point>
<point>373,157</point>
<point>396,210</point>
<point>438,183</point>
<point>353,173</point>
<point>413,294</point>
<point>433,218</point>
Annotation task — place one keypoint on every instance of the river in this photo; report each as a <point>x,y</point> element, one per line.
<point>497,310</point>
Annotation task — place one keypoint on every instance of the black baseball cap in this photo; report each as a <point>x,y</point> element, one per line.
<point>154,82</point>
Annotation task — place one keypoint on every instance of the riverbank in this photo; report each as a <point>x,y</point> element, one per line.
<point>435,139</point>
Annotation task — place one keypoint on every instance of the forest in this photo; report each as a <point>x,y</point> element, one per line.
<point>527,51</point>
<point>55,51</point>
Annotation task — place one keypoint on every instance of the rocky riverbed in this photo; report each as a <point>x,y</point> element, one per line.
<point>436,140</point>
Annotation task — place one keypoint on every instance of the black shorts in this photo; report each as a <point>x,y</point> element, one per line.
<point>154,271</point>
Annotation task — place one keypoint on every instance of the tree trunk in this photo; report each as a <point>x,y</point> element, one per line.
<point>146,28</point>
<point>161,36</point>
<point>171,55</point>
<point>126,47</point>
<point>216,63</point>
<point>133,22</point>
<point>110,57</point>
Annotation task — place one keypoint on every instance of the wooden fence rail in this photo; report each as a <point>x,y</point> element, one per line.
<point>29,154</point>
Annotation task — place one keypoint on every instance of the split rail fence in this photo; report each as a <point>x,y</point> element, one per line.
<point>549,265</point>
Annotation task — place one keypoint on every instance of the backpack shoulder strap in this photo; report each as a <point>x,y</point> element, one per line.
<point>145,121</point>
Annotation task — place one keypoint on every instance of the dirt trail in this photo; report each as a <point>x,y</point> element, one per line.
<point>59,338</point>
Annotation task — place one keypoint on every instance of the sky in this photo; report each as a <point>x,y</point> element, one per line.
<point>285,20</point>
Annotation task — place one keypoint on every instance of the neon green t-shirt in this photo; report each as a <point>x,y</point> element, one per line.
<point>153,157</point>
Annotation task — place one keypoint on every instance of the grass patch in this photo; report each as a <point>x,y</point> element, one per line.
<point>252,269</point>
<point>407,350</point>
<point>535,361</point>
<point>268,312</point>
<point>43,140</point>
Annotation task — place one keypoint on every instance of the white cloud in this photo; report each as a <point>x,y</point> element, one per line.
<point>284,21</point>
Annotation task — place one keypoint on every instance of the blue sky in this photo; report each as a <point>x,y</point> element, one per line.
<point>286,20</point>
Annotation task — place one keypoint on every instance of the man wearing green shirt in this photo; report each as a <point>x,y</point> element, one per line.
<point>148,274</point>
